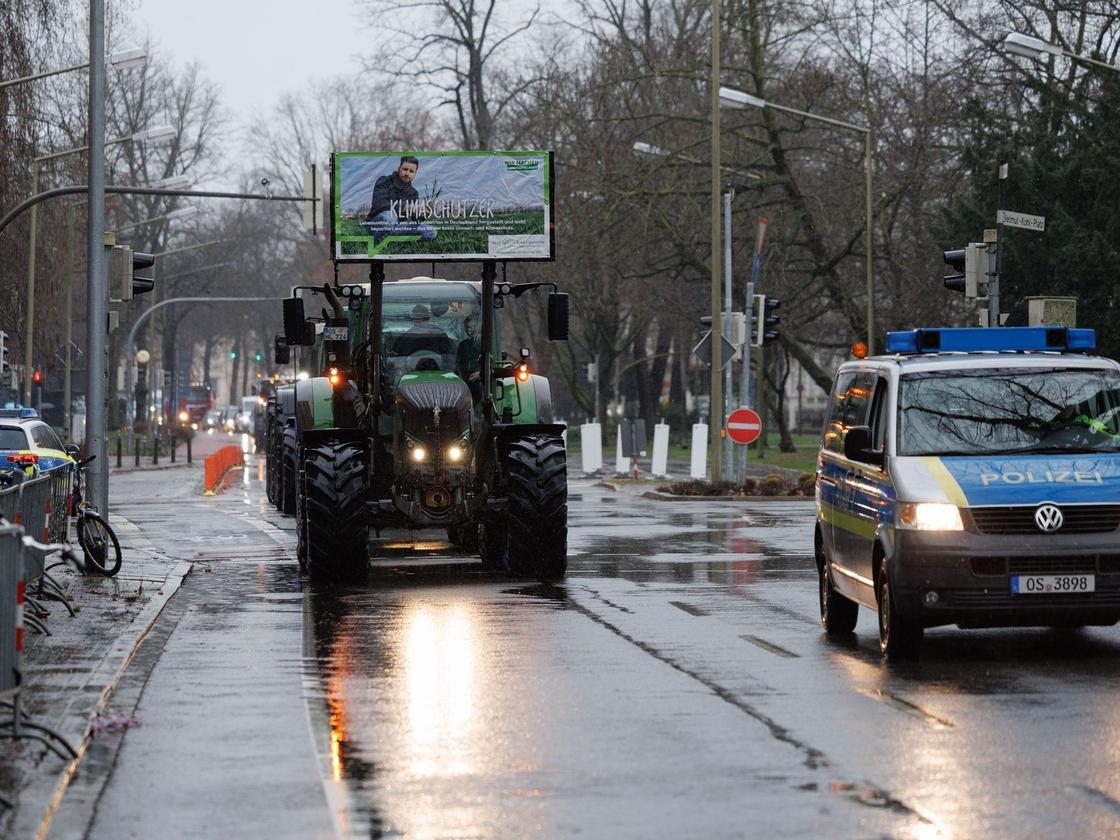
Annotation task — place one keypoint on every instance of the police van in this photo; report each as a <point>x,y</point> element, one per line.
<point>971,477</point>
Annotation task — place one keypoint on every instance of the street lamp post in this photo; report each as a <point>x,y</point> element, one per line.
<point>152,134</point>
<point>142,359</point>
<point>1036,49</point>
<point>117,61</point>
<point>731,98</point>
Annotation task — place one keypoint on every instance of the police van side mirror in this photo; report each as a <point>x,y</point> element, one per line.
<point>857,446</point>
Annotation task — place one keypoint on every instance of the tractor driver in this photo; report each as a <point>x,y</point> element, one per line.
<point>423,336</point>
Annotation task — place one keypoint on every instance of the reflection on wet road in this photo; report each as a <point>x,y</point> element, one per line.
<point>678,684</point>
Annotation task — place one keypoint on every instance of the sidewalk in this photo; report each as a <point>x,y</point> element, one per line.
<point>69,676</point>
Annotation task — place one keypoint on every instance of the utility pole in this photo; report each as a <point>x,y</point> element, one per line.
<point>97,295</point>
<point>715,410</point>
<point>728,382</point>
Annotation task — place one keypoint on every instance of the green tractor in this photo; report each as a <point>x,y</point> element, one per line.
<point>416,419</point>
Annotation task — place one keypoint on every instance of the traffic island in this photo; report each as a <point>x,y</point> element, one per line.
<point>769,488</point>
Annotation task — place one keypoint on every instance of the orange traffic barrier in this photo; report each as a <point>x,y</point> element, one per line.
<point>218,464</point>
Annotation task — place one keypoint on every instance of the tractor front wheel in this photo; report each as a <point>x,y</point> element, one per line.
<point>334,511</point>
<point>537,520</point>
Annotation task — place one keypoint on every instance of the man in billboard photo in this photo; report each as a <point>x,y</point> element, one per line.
<point>394,209</point>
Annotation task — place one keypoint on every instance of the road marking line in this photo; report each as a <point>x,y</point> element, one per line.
<point>905,706</point>
<point>688,608</point>
<point>770,646</point>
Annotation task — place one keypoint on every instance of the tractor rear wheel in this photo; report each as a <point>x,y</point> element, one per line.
<point>334,511</point>
<point>537,521</point>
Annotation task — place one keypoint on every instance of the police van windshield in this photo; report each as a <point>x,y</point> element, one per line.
<point>1009,410</point>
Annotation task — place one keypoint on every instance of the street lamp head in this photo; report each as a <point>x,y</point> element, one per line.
<point>175,182</point>
<point>127,58</point>
<point>731,98</point>
<point>182,213</point>
<point>163,132</point>
<point>143,357</point>
<point>1028,47</point>
<point>648,149</point>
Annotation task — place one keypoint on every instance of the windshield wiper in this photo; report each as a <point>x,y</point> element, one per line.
<point>949,452</point>
<point>1060,450</point>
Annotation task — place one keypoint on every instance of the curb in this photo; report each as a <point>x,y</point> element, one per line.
<point>150,468</point>
<point>669,497</point>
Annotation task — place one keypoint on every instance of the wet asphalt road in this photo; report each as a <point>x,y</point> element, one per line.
<point>677,684</point>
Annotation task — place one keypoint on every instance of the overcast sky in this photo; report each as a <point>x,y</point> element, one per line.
<point>257,50</point>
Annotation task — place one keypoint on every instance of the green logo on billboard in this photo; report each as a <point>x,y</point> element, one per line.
<point>523,165</point>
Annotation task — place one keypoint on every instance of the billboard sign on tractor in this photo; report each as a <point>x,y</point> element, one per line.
<point>423,206</point>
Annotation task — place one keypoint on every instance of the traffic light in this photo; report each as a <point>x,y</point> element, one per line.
<point>140,261</point>
<point>970,265</point>
<point>765,320</point>
<point>37,377</point>
<point>123,265</point>
<point>5,368</point>
<point>257,357</point>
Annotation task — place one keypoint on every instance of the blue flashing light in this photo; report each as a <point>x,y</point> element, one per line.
<point>22,413</point>
<point>981,339</point>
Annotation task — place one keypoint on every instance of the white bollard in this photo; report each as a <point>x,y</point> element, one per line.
<point>591,447</point>
<point>699,450</point>
<point>660,466</point>
<point>621,464</point>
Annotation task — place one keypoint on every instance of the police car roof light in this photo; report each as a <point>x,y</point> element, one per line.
<point>980,339</point>
<point>22,413</point>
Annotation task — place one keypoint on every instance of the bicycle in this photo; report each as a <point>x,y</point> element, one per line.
<point>94,534</point>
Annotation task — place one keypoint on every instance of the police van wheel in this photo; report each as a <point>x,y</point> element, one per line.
<point>898,638</point>
<point>838,614</point>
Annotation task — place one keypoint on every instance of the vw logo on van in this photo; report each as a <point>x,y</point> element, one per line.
<point>1048,518</point>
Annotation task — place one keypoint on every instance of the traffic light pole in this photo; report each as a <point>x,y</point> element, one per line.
<point>97,295</point>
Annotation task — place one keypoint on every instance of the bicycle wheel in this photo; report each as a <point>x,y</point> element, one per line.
<point>99,544</point>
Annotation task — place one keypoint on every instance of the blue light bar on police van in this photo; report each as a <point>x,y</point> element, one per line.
<point>979,339</point>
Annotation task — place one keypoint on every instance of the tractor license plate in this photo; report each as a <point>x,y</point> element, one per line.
<point>336,333</point>
<point>1052,584</point>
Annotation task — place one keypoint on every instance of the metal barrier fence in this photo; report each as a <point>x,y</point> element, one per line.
<point>41,506</point>
<point>11,609</point>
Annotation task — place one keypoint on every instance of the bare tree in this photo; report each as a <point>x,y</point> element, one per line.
<point>459,49</point>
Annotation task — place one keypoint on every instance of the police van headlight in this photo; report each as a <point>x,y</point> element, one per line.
<point>930,516</point>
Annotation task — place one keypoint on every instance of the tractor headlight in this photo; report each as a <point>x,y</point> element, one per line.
<point>930,516</point>
<point>455,454</point>
<point>418,454</point>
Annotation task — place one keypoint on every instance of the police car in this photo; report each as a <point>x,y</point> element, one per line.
<point>28,442</point>
<point>971,477</point>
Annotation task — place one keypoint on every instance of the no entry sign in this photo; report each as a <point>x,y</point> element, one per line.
<point>744,425</point>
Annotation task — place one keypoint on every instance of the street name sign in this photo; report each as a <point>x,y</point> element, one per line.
<point>1021,220</point>
<point>744,425</point>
